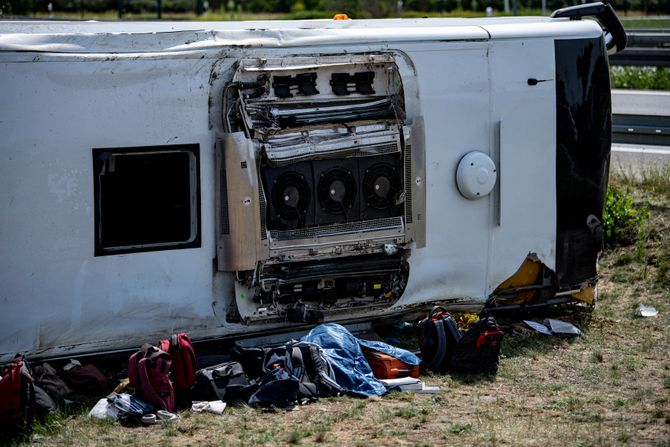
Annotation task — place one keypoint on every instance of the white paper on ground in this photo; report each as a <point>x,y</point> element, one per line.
<point>646,311</point>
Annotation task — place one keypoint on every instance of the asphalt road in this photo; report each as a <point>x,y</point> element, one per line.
<point>641,102</point>
<point>634,157</point>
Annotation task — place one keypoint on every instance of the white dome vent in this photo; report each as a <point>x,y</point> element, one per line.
<point>476,175</point>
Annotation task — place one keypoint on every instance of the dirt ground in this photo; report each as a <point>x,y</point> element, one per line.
<point>610,386</point>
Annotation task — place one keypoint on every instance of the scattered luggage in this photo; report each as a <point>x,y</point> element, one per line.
<point>343,350</point>
<point>184,362</point>
<point>444,348</point>
<point>385,366</point>
<point>317,377</point>
<point>328,361</point>
<point>296,372</point>
<point>438,336</point>
<point>251,360</point>
<point>44,403</point>
<point>85,379</point>
<point>125,408</point>
<point>478,351</point>
<point>47,377</point>
<point>17,398</point>
<point>148,372</point>
<point>226,382</point>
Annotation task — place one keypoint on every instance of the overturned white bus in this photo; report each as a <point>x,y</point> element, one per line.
<point>234,178</point>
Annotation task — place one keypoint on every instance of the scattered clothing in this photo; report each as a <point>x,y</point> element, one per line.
<point>352,371</point>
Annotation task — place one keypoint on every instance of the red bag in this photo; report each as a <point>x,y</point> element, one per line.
<point>17,398</point>
<point>184,362</point>
<point>385,366</point>
<point>86,379</point>
<point>148,372</point>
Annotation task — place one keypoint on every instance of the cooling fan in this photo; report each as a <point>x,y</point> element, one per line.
<point>290,198</point>
<point>336,191</point>
<point>381,184</point>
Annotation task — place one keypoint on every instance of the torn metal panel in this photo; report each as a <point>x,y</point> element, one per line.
<point>533,282</point>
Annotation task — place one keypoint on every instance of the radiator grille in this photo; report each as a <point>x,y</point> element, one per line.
<point>408,183</point>
<point>390,223</point>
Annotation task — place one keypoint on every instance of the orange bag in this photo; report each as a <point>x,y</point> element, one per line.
<point>386,367</point>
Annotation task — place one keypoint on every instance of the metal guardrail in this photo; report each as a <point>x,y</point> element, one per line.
<point>646,47</point>
<point>641,129</point>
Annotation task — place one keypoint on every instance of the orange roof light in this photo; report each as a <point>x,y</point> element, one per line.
<point>340,17</point>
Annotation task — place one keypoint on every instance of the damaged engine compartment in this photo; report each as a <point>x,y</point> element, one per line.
<point>315,185</point>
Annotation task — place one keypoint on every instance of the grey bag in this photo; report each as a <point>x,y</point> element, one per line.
<point>44,404</point>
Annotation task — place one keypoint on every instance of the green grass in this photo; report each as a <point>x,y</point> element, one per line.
<point>459,428</point>
<point>644,22</point>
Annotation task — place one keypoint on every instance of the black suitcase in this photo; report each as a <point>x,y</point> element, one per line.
<point>438,337</point>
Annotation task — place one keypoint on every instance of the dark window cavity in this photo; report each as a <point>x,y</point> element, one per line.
<point>146,198</point>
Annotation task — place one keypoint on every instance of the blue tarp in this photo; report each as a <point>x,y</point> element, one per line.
<point>352,371</point>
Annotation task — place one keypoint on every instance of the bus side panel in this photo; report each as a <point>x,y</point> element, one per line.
<point>54,290</point>
<point>454,96</point>
<point>523,215</point>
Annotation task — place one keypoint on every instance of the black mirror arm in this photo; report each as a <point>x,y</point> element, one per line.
<point>615,35</point>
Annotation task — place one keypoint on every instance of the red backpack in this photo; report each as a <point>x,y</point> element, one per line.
<point>184,362</point>
<point>148,372</point>
<point>17,397</point>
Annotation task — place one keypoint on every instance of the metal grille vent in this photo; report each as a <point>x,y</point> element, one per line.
<point>408,183</point>
<point>262,205</point>
<point>390,223</point>
<point>223,194</point>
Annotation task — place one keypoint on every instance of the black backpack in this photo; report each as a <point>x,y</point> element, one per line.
<point>438,337</point>
<point>478,350</point>
<point>296,372</point>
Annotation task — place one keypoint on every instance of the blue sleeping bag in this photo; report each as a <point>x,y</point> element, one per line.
<point>343,350</point>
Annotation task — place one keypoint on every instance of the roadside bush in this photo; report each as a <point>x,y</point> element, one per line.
<point>621,220</point>
<point>308,15</point>
<point>643,78</point>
